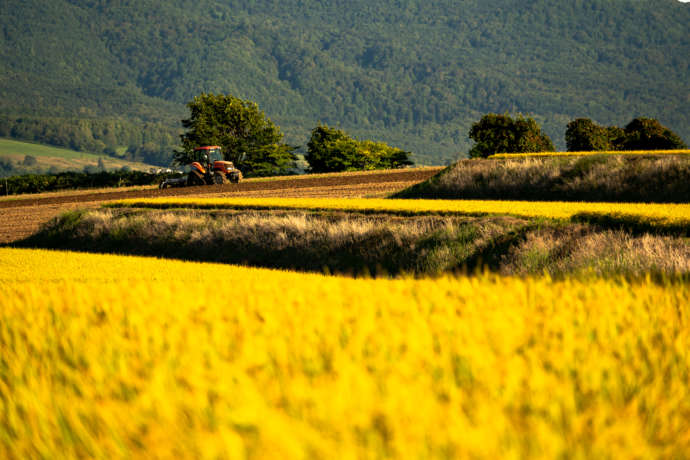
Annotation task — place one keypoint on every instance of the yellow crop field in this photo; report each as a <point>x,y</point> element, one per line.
<point>676,214</point>
<point>579,154</point>
<point>106,356</point>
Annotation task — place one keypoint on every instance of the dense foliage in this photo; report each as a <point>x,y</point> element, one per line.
<point>414,74</point>
<point>331,150</point>
<point>503,134</point>
<point>36,183</point>
<point>584,135</point>
<point>247,136</point>
<point>646,133</point>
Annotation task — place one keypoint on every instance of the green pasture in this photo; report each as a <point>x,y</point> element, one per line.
<point>13,148</point>
<point>59,157</point>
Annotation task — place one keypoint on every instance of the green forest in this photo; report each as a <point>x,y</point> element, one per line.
<point>113,76</point>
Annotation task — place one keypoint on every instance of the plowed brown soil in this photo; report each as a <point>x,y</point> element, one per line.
<point>20,217</point>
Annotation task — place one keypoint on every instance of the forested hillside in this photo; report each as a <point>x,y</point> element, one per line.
<point>416,74</point>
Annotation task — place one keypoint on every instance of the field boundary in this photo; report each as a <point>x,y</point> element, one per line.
<point>674,217</point>
<point>590,153</point>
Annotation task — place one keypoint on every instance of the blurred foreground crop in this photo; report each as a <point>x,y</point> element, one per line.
<point>120,357</point>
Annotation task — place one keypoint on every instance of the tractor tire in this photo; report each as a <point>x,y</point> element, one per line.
<point>219,178</point>
<point>235,177</point>
<point>194,178</point>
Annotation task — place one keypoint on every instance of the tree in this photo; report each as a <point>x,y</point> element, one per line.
<point>248,138</point>
<point>502,134</point>
<point>321,142</point>
<point>583,135</point>
<point>331,150</point>
<point>649,134</point>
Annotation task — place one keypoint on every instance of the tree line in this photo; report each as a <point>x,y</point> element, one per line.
<point>255,144</point>
<point>503,134</point>
<point>251,140</point>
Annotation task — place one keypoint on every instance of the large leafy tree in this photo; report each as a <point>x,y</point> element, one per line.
<point>503,134</point>
<point>583,135</point>
<point>331,149</point>
<point>649,134</point>
<point>248,138</point>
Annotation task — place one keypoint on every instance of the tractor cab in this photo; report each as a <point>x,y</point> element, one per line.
<point>208,155</point>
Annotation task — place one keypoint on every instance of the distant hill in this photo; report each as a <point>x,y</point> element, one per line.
<point>413,73</point>
<point>47,158</point>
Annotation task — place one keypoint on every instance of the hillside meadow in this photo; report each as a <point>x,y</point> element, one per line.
<point>125,357</point>
<point>57,158</point>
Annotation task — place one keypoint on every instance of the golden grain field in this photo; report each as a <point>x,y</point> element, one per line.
<point>672,214</point>
<point>106,356</point>
<point>592,153</point>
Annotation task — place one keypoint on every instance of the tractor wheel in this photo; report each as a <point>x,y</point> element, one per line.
<point>219,178</point>
<point>235,177</point>
<point>194,178</point>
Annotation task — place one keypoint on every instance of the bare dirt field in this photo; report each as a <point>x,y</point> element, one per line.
<point>22,216</point>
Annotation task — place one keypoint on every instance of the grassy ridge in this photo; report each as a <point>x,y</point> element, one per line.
<point>585,154</point>
<point>672,216</point>
<point>377,244</point>
<point>120,357</point>
<point>610,178</point>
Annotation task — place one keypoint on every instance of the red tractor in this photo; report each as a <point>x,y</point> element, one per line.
<point>207,167</point>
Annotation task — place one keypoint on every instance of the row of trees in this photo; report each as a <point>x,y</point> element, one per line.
<point>583,134</point>
<point>255,144</point>
<point>503,134</point>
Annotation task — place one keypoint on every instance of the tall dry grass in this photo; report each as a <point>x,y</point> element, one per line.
<point>370,244</point>
<point>578,249</point>
<point>661,179</point>
<point>338,242</point>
